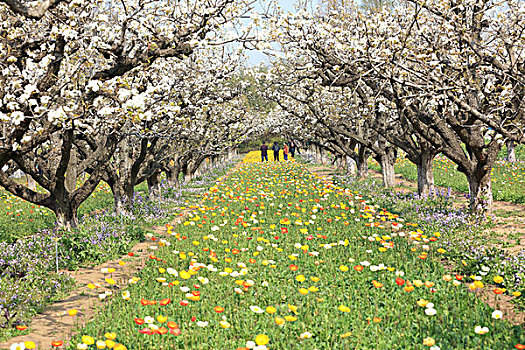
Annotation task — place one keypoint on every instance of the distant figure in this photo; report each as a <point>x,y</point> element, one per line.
<point>286,150</point>
<point>264,152</point>
<point>292,148</point>
<point>276,150</point>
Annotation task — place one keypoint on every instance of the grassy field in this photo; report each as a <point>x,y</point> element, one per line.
<point>275,257</point>
<point>508,179</point>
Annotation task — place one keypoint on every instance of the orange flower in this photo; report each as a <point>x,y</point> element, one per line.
<point>408,289</point>
<point>498,291</point>
<point>218,309</point>
<point>293,267</point>
<point>57,343</point>
<point>165,302</point>
<point>519,346</point>
<point>376,319</point>
<point>377,284</point>
<point>359,268</point>
<point>21,328</point>
<point>172,325</point>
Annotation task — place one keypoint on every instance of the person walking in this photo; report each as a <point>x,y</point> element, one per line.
<point>292,148</point>
<point>286,150</point>
<point>276,150</point>
<point>264,152</point>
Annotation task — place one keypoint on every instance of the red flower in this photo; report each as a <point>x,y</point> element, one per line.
<point>218,309</point>
<point>146,331</point>
<point>175,331</point>
<point>196,293</point>
<point>139,321</point>
<point>252,261</point>
<point>184,302</point>
<point>275,237</point>
<point>144,302</point>
<point>57,343</point>
<point>359,268</point>
<point>235,251</point>
<point>21,328</point>
<point>165,302</point>
<point>284,230</point>
<point>309,237</point>
<point>131,254</point>
<point>196,286</point>
<point>519,346</point>
<point>162,330</point>
<point>152,257</point>
<point>400,281</point>
<point>459,277</point>
<point>193,319</point>
<point>293,267</point>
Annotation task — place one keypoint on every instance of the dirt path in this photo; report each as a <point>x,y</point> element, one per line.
<point>55,324</point>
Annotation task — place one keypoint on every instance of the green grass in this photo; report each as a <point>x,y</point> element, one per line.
<point>240,226</point>
<point>508,180</point>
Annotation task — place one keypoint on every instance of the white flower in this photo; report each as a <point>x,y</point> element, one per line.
<point>202,323</point>
<point>256,309</point>
<point>364,263</point>
<point>148,319</point>
<point>102,296</point>
<point>306,335</point>
<point>430,306</point>
<point>260,347</point>
<point>430,311</point>
<point>250,344</point>
<point>435,347</point>
<point>215,228</point>
<point>82,346</point>
<point>18,346</point>
<point>374,268</point>
<point>172,271</point>
<point>265,284</point>
<point>184,289</point>
<point>481,330</point>
<point>497,314</point>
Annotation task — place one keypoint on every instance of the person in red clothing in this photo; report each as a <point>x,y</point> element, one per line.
<point>286,150</point>
<point>264,152</point>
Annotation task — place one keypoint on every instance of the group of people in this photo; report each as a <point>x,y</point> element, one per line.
<point>289,148</point>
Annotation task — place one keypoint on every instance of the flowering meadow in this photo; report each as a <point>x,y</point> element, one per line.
<point>28,266</point>
<point>275,257</point>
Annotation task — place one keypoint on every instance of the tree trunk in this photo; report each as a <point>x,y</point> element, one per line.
<point>71,174</point>
<point>362,166</point>
<point>350,165</point>
<point>387,162</point>
<point>511,151</point>
<point>66,214</point>
<point>154,186</point>
<point>480,191</point>
<point>425,173</point>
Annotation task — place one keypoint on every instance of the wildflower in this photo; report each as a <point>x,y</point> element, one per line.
<point>271,310</point>
<point>256,309</point>
<point>30,344</point>
<point>429,341</point>
<point>100,344</point>
<point>72,312</point>
<point>225,324</point>
<point>306,335</point>
<point>497,314</point>
<point>481,330</point>
<point>202,324</point>
<point>262,339</point>
<point>344,308</point>
<point>56,343</point>
<point>279,321</point>
<point>18,346</point>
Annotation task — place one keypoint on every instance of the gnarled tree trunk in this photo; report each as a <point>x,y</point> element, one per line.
<point>425,172</point>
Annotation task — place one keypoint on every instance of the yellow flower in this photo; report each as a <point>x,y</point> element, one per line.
<point>110,336</point>
<point>418,283</point>
<point>262,339</point>
<point>516,294</point>
<point>91,286</point>
<point>120,347</point>
<point>111,270</point>
<point>72,312</point>
<point>498,279</point>
<point>441,250</point>
<point>290,318</point>
<point>382,249</point>
<point>343,268</point>
<point>225,324</point>
<point>313,289</point>
<point>429,341</point>
<point>100,344</point>
<point>162,270</point>
<point>122,263</point>
<point>110,344</point>
<point>271,310</point>
<point>300,278</point>
<point>422,302</point>
<point>346,335</point>
<point>314,279</point>
<point>293,308</point>
<point>30,345</point>
<point>86,339</point>
<point>110,281</point>
<point>303,291</point>
<point>184,275</point>
<point>279,321</point>
<point>344,308</point>
<point>479,284</point>
<point>162,319</point>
